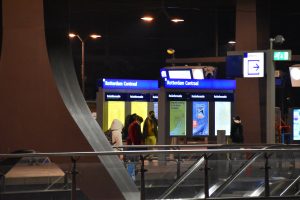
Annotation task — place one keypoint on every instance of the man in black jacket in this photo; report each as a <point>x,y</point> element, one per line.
<point>236,133</point>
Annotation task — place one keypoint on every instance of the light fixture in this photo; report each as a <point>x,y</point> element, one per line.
<point>147,18</point>
<point>279,39</point>
<point>171,51</point>
<point>231,42</point>
<point>71,35</point>
<point>176,20</point>
<point>95,36</point>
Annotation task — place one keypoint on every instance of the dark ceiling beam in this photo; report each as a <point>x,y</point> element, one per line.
<point>196,60</point>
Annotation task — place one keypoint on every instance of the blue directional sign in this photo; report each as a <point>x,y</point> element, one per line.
<point>253,64</point>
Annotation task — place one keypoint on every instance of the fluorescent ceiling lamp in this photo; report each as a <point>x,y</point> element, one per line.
<point>147,18</point>
<point>95,36</point>
<point>176,20</point>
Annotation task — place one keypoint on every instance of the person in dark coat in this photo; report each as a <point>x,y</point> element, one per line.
<point>236,133</point>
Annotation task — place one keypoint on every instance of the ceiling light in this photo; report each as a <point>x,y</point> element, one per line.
<point>71,35</point>
<point>170,51</point>
<point>147,18</point>
<point>232,42</point>
<point>95,36</point>
<point>176,20</point>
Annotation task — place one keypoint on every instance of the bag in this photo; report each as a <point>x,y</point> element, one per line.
<point>108,135</point>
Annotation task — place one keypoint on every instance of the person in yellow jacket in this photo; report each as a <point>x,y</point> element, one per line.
<point>150,129</point>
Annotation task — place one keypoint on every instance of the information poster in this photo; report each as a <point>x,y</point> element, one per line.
<point>296,124</point>
<point>223,117</point>
<point>141,109</point>
<point>177,118</point>
<point>155,109</point>
<point>200,118</point>
<point>116,110</point>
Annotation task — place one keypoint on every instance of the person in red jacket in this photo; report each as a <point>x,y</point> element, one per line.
<point>135,136</point>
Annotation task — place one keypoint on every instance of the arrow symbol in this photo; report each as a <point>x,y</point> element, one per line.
<point>256,67</point>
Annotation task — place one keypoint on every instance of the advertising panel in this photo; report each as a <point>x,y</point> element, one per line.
<point>177,118</point>
<point>200,118</point>
<point>223,117</point>
<point>296,124</point>
<point>116,110</point>
<point>140,108</point>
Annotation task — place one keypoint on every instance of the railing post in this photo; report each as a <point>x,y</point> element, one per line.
<point>206,188</point>
<point>267,181</point>
<point>178,164</point>
<point>74,172</point>
<point>142,158</point>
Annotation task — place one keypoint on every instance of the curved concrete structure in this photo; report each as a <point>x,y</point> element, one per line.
<point>41,104</point>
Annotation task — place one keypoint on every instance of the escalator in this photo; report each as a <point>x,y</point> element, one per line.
<point>241,176</point>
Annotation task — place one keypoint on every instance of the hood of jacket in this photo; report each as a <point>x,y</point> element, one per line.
<point>116,125</point>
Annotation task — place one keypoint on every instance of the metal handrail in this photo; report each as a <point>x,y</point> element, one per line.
<point>244,166</point>
<point>238,172</point>
<point>182,178</point>
<point>134,152</point>
<point>204,152</point>
<point>289,186</point>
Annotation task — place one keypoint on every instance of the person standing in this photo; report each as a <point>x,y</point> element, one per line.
<point>236,133</point>
<point>116,131</point>
<point>150,129</point>
<point>135,136</point>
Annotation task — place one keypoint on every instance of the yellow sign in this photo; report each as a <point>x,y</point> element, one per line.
<point>141,109</point>
<point>115,110</point>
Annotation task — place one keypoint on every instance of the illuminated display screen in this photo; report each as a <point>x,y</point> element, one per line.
<point>223,117</point>
<point>116,110</point>
<point>296,124</point>
<point>130,84</point>
<point>179,74</point>
<point>155,109</point>
<point>177,118</point>
<point>200,118</point>
<point>141,109</point>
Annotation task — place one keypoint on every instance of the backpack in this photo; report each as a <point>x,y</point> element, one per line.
<point>108,135</point>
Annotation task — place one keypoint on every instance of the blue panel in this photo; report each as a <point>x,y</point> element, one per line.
<point>200,118</point>
<point>206,84</point>
<point>129,84</point>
